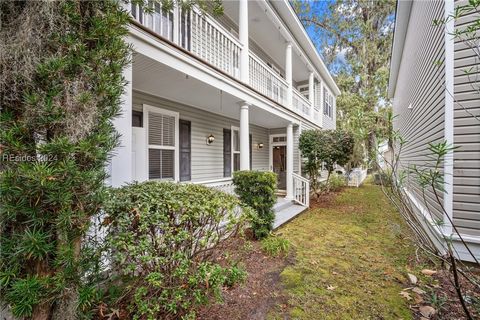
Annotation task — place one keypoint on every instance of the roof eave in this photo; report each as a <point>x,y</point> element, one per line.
<point>402,18</point>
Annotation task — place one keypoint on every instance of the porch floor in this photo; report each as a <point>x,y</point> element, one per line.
<point>286,210</point>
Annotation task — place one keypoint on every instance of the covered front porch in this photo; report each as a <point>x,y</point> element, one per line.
<point>182,129</point>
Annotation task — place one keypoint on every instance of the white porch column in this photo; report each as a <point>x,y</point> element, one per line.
<point>121,163</point>
<point>290,161</point>
<point>288,74</point>
<point>244,137</point>
<point>311,93</point>
<point>243,37</point>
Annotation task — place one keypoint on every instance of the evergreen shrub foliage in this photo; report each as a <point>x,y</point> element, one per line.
<point>61,84</point>
<point>257,190</point>
<point>161,236</point>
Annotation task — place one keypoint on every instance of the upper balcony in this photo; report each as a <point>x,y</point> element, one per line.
<point>216,41</point>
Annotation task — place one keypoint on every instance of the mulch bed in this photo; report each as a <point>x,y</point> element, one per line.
<point>262,289</point>
<point>448,305</point>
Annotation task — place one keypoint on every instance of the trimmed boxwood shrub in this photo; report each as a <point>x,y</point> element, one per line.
<point>161,235</point>
<point>257,189</point>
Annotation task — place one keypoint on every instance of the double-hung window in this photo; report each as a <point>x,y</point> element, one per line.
<point>327,103</point>
<point>162,142</point>
<point>235,149</point>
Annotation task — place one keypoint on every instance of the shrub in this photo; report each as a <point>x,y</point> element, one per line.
<point>336,182</point>
<point>161,236</point>
<point>234,275</point>
<point>257,189</point>
<point>275,245</point>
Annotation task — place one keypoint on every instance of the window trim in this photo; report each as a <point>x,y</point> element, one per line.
<point>148,108</point>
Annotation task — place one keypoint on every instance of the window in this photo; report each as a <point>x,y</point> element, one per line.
<point>162,143</point>
<point>327,103</point>
<point>235,149</point>
<point>304,90</point>
<point>137,119</point>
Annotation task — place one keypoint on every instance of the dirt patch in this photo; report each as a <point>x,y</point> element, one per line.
<point>262,290</point>
<point>324,200</point>
<point>440,294</point>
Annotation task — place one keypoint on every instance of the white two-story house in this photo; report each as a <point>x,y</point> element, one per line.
<point>207,96</point>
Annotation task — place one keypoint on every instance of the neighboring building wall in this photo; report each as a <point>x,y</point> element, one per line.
<point>466,180</point>
<point>420,84</point>
<point>207,160</point>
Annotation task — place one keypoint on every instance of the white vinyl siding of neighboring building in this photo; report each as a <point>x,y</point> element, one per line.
<point>207,160</point>
<point>420,84</point>
<point>466,179</point>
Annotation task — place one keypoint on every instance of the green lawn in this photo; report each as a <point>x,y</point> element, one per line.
<point>351,258</point>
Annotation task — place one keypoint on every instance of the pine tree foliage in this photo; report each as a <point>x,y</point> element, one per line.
<point>355,38</point>
<point>61,85</point>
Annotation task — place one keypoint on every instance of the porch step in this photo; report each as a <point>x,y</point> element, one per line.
<point>287,213</point>
<point>281,204</point>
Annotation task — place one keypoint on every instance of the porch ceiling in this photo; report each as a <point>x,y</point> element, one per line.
<point>158,79</point>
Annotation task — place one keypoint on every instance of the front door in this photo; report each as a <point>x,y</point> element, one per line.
<point>279,163</point>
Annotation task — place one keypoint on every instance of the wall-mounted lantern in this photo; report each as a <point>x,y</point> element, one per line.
<point>260,145</point>
<point>210,139</point>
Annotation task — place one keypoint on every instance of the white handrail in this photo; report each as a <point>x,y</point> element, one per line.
<point>301,190</point>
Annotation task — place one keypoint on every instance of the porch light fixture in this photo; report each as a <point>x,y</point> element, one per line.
<point>210,139</point>
<point>260,145</point>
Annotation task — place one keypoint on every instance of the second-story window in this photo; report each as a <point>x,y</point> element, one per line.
<point>327,103</point>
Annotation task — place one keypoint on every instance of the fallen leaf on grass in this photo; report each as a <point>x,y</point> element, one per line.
<point>418,290</point>
<point>331,288</point>
<point>418,299</point>
<point>406,295</point>
<point>428,272</point>
<point>413,279</point>
<point>427,311</point>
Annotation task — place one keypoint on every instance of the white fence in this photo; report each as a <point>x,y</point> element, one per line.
<point>356,177</point>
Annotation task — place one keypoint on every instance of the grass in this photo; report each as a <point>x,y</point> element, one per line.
<point>351,260</point>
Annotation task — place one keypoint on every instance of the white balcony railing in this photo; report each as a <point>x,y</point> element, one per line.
<point>266,81</point>
<point>207,39</point>
<point>212,43</point>
<point>301,190</point>
<point>301,104</point>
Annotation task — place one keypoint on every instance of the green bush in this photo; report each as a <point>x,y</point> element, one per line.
<point>161,236</point>
<point>275,245</point>
<point>257,189</point>
<point>335,183</point>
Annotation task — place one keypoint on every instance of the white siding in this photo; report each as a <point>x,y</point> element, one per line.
<point>420,84</point>
<point>207,160</point>
<point>466,181</point>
